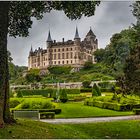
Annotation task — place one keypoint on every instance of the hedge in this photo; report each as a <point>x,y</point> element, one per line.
<point>136,111</point>
<point>111,106</point>
<point>45,92</point>
<point>82,90</point>
<point>56,111</point>
<point>47,115</point>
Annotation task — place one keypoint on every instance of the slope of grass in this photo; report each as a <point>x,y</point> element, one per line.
<point>78,109</point>
<point>27,129</point>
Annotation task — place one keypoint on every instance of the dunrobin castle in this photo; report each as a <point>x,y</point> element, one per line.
<point>66,53</point>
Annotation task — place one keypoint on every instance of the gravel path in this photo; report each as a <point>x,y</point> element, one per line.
<point>90,120</point>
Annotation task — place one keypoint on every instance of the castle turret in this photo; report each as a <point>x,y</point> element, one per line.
<point>49,40</point>
<point>30,58</point>
<point>77,38</point>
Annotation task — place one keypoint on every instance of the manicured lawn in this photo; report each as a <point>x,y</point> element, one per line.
<point>78,109</point>
<point>26,129</point>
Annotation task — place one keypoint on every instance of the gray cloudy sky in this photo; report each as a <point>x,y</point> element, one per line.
<point>110,17</point>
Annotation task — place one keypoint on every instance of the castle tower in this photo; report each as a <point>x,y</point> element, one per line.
<point>49,40</point>
<point>30,58</point>
<point>77,38</point>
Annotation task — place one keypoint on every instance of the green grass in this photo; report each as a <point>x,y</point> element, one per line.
<point>78,109</point>
<point>27,129</point>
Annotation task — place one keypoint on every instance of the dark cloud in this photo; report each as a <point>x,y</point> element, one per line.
<point>110,17</point>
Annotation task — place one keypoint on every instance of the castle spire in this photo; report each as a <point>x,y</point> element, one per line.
<point>76,34</point>
<point>49,37</point>
<point>31,49</point>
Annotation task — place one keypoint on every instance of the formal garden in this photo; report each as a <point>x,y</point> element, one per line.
<point>96,101</point>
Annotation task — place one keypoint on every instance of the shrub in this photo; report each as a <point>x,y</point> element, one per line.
<point>60,70</point>
<point>86,84</point>
<point>47,115</point>
<point>136,111</point>
<point>63,96</point>
<point>88,65</point>
<point>14,103</point>
<point>85,90</point>
<point>19,94</point>
<point>96,90</point>
<point>36,104</point>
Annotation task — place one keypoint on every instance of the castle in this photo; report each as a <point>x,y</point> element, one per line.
<point>71,53</point>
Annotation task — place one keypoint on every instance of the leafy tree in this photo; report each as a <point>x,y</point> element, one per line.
<point>86,84</point>
<point>15,19</point>
<point>130,81</point>
<point>99,55</point>
<point>88,65</point>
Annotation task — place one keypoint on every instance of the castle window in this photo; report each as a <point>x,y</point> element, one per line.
<point>67,55</point>
<point>63,49</point>
<point>63,57</point>
<point>44,64</point>
<point>54,56</point>
<point>58,50</point>
<point>67,62</point>
<point>59,56</point>
<point>54,62</point>
<point>71,49</point>
<point>71,61</point>
<point>67,49</point>
<point>71,55</point>
<point>58,62</point>
<point>63,62</point>
<point>54,50</point>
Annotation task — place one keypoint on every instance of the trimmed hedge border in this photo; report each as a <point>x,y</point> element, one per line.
<point>111,106</point>
<point>47,115</point>
<point>56,111</point>
<point>44,92</point>
<point>136,111</point>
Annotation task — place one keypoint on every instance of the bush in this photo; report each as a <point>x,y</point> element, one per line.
<point>36,104</point>
<point>86,84</point>
<point>29,92</point>
<point>14,103</point>
<point>19,94</point>
<point>136,111</point>
<point>96,90</point>
<point>63,96</point>
<point>60,70</point>
<point>47,115</point>
<point>85,90</point>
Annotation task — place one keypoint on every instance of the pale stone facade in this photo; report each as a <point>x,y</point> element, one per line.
<point>71,53</point>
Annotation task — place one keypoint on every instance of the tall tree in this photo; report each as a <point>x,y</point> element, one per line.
<point>15,19</point>
<point>132,67</point>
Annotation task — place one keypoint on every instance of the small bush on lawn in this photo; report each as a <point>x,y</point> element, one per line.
<point>63,96</point>
<point>47,115</point>
<point>14,102</point>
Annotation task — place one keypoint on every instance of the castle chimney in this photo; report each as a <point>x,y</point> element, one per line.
<point>63,40</point>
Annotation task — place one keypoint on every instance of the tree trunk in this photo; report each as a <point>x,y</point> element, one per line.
<point>4,72</point>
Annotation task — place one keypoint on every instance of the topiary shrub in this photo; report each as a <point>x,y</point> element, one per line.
<point>19,94</point>
<point>63,96</point>
<point>96,90</point>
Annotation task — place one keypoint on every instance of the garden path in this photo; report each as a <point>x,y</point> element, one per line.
<point>90,120</point>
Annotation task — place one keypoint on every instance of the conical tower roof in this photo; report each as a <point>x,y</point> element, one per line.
<point>49,37</point>
<point>76,34</point>
<point>90,33</point>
